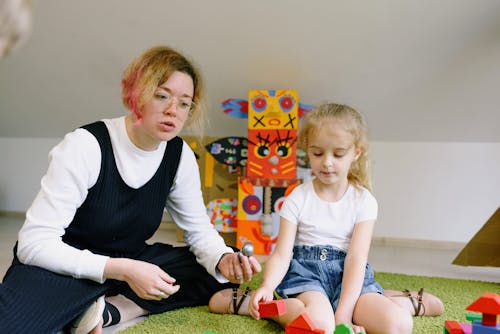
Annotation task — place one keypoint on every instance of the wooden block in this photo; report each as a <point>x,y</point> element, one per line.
<point>275,307</point>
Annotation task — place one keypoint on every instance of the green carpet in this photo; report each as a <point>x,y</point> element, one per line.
<point>455,294</point>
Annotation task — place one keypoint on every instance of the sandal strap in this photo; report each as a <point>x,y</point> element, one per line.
<point>416,306</point>
<point>235,299</point>
<point>421,306</point>
<point>237,304</point>
<point>416,302</point>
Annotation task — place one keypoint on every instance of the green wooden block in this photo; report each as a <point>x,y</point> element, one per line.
<point>471,316</point>
<point>343,329</point>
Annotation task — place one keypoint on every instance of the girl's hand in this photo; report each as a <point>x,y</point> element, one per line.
<point>238,268</point>
<point>262,294</point>
<point>147,280</point>
<point>355,328</point>
<point>358,329</point>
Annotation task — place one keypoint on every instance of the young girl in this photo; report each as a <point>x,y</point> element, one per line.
<point>320,261</point>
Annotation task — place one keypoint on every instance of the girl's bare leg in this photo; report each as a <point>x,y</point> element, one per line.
<point>380,315</point>
<point>314,303</point>
<point>222,302</point>
<point>318,308</point>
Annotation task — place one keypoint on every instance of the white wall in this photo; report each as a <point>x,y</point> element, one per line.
<point>430,191</point>
<point>24,162</point>
<point>426,70</point>
<point>435,191</point>
<point>424,73</point>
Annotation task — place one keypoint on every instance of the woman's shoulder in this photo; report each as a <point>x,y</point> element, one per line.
<point>80,140</point>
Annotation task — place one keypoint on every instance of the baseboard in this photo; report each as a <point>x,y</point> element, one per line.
<point>417,243</point>
<point>167,224</point>
<point>13,214</point>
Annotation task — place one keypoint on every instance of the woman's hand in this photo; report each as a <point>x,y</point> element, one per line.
<point>147,280</point>
<point>238,268</point>
<point>262,294</point>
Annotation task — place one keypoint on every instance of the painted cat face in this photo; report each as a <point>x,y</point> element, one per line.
<point>272,153</point>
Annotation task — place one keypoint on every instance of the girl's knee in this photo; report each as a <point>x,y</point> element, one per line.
<point>399,324</point>
<point>295,305</point>
<point>378,314</point>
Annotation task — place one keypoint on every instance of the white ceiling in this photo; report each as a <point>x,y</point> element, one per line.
<point>419,70</point>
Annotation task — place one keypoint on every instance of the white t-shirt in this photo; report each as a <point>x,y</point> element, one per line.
<point>327,223</point>
<point>74,165</point>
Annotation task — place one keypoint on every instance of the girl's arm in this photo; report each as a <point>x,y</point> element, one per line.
<point>276,266</point>
<point>354,270</point>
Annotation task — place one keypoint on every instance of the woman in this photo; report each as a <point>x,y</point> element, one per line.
<point>81,261</point>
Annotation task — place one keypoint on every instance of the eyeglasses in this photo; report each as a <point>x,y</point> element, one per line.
<point>183,104</point>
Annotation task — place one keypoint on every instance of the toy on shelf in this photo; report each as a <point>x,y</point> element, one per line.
<point>219,185</point>
<point>270,155</point>
<point>259,204</point>
<point>222,213</point>
<point>231,151</point>
<point>266,160</point>
<point>488,304</point>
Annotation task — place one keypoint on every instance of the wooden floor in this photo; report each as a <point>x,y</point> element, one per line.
<point>405,259</point>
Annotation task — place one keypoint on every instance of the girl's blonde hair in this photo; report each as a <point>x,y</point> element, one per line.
<point>354,123</point>
<point>147,72</point>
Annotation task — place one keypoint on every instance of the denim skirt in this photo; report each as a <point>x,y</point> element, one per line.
<point>321,268</point>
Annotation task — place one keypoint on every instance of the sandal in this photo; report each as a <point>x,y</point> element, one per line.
<point>236,304</point>
<point>434,305</point>
<point>219,301</point>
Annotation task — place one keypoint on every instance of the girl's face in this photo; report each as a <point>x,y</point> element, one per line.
<point>164,116</point>
<point>331,152</point>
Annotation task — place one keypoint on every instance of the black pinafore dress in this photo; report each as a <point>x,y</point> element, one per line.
<point>114,220</point>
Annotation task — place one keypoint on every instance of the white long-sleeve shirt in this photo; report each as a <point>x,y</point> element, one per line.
<point>74,165</point>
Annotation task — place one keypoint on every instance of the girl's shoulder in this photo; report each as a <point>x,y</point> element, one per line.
<point>302,189</point>
<point>300,193</point>
<point>362,195</point>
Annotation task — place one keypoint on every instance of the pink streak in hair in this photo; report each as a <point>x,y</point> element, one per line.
<point>132,96</point>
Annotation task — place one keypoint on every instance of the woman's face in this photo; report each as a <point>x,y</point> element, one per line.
<point>164,116</point>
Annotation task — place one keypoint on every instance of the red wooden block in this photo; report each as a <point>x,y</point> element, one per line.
<point>302,325</point>
<point>275,307</point>
<point>291,330</point>
<point>453,327</point>
<point>489,305</point>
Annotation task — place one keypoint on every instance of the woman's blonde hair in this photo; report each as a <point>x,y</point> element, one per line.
<point>147,72</point>
<point>354,123</point>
